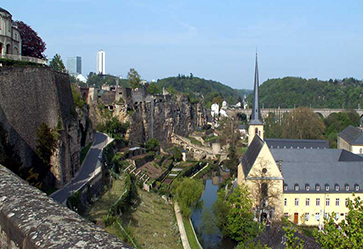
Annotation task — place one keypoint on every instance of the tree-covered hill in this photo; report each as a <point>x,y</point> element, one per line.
<point>293,91</point>
<point>198,87</point>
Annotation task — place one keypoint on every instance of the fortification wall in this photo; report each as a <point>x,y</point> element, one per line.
<point>31,220</point>
<point>31,96</point>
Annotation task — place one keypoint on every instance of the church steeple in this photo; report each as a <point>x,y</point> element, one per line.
<point>256,112</point>
<point>256,124</point>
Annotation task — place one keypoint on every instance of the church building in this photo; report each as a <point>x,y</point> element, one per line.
<point>302,180</point>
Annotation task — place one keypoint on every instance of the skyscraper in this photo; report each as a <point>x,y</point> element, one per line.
<point>74,65</point>
<point>101,62</point>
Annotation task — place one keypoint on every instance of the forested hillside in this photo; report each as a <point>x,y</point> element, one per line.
<point>199,87</point>
<point>292,91</point>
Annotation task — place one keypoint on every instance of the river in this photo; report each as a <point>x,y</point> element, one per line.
<point>204,221</point>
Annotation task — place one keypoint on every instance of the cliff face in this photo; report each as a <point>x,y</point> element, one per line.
<point>32,96</point>
<point>162,115</point>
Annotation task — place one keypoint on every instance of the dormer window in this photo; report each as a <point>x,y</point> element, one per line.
<point>285,187</point>
<point>327,187</point>
<point>346,187</point>
<point>356,187</point>
<point>307,187</point>
<point>317,187</point>
<point>297,187</point>
<point>337,187</point>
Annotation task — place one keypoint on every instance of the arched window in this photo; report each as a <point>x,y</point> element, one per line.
<point>8,50</point>
<point>327,187</point>
<point>1,48</point>
<point>356,187</point>
<point>317,187</point>
<point>337,187</point>
<point>264,188</point>
<point>256,130</point>
<point>285,187</point>
<point>297,187</point>
<point>346,187</point>
<point>307,187</point>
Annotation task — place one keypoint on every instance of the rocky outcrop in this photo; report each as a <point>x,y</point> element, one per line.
<point>163,115</point>
<point>31,96</point>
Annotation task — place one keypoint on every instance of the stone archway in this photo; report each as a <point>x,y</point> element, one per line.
<point>16,51</point>
<point>1,48</point>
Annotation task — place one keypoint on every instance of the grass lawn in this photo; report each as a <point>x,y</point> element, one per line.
<point>152,223</point>
<point>194,141</point>
<point>191,238</point>
<point>84,151</point>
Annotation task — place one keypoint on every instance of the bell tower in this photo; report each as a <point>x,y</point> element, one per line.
<point>255,125</point>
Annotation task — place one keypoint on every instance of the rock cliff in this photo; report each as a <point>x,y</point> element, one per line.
<point>31,96</point>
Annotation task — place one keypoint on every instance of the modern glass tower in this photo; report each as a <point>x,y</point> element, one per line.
<point>74,65</point>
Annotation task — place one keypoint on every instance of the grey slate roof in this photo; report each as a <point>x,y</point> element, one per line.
<point>315,166</point>
<point>276,143</point>
<point>353,135</point>
<point>251,154</point>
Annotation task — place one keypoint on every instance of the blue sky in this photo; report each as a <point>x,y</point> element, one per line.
<point>211,39</point>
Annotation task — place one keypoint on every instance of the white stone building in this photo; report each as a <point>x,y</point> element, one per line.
<point>10,40</point>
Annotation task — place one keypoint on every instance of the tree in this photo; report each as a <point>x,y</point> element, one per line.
<point>303,123</point>
<point>348,234</point>
<point>32,44</point>
<point>152,145</point>
<point>234,215</point>
<point>153,88</point>
<point>134,78</point>
<point>177,154</point>
<point>46,143</point>
<point>187,193</point>
<point>57,64</point>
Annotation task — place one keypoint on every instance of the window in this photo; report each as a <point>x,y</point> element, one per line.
<point>318,201</point>
<point>307,216</point>
<point>307,202</point>
<point>296,201</point>
<point>327,202</point>
<point>337,216</point>
<point>337,188</point>
<point>307,187</point>
<point>286,215</point>
<point>317,187</point>
<point>337,202</point>
<point>326,215</point>
<point>356,187</point>
<point>285,202</point>
<point>285,187</point>
<point>256,131</point>
<point>297,187</point>
<point>346,201</point>
<point>360,151</point>
<point>327,187</point>
<point>346,187</point>
<point>317,216</point>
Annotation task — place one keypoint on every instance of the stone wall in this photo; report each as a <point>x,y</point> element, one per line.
<point>30,96</point>
<point>31,220</point>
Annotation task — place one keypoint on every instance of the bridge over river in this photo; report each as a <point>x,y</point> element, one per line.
<point>325,112</point>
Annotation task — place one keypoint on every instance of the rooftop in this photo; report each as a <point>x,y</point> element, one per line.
<point>353,135</point>
<point>276,143</point>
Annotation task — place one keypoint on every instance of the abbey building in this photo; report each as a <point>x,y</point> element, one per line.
<point>302,180</point>
<point>10,40</point>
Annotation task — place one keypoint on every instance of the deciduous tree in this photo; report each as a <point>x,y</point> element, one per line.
<point>32,44</point>
<point>134,78</point>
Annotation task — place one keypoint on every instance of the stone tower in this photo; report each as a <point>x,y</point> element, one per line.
<point>256,125</point>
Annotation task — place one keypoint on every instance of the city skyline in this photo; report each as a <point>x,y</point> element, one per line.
<point>209,39</point>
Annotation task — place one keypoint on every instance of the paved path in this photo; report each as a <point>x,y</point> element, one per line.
<point>90,167</point>
<point>183,233</point>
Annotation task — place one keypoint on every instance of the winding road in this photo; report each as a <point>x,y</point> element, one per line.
<point>91,166</point>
